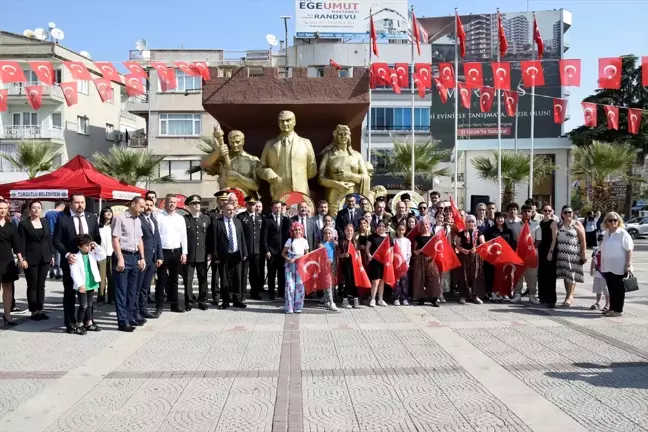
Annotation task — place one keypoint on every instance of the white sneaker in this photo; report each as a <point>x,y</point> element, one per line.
<point>332,307</point>
<point>534,300</point>
<point>396,302</point>
<point>345,303</point>
<point>356,303</point>
<point>405,303</point>
<point>477,300</point>
<point>382,303</point>
<point>442,299</point>
<point>517,298</point>
<point>372,303</point>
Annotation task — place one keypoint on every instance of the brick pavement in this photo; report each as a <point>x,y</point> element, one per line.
<point>495,367</point>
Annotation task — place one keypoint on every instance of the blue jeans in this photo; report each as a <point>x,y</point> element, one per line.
<point>125,288</point>
<point>144,280</point>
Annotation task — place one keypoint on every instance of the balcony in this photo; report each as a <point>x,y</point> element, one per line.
<point>400,129</point>
<point>137,104</point>
<point>137,142</point>
<point>50,93</point>
<point>31,133</point>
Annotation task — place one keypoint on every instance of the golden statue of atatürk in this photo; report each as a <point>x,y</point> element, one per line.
<point>287,161</point>
<point>235,167</point>
<point>343,170</point>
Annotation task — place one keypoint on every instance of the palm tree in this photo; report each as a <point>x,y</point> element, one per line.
<point>207,145</point>
<point>131,166</point>
<point>427,157</point>
<point>515,170</point>
<point>33,157</point>
<point>600,162</point>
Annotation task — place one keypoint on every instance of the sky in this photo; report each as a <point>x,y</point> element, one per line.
<point>108,29</point>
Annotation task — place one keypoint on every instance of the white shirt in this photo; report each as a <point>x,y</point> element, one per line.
<point>83,220</point>
<point>77,270</point>
<point>303,220</point>
<point>613,251</point>
<point>229,223</point>
<point>406,247</point>
<point>106,239</point>
<point>173,231</point>
<point>320,221</point>
<point>297,247</point>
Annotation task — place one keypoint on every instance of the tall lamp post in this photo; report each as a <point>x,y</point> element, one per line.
<point>285,19</point>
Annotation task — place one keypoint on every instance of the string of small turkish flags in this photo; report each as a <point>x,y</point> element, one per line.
<point>11,72</point>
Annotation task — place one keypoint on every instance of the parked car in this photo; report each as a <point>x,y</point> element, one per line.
<point>637,227</point>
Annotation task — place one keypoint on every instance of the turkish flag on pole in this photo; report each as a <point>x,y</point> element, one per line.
<point>416,37</point>
<point>510,102</point>
<point>486,97</point>
<point>506,277</point>
<point>400,265</point>
<point>537,38</point>
<point>78,70</point>
<point>385,255</point>
<point>589,112</point>
<point>526,249</point>
<point>380,74</point>
<point>315,271</point>
<point>612,115</point>
<point>634,119</point>
<point>334,64</point>
<point>418,82</point>
<point>464,93</point>
<point>503,43</point>
<point>11,72</point>
<point>425,72</point>
<point>497,251</point>
<point>559,110</point>
<point>446,74</point>
<point>4,105</point>
<point>439,249</point>
<point>104,88</point>
<point>474,75</point>
<point>570,72</point>
<point>203,70</point>
<point>393,81</point>
<point>134,86</point>
<point>456,216</point>
<point>359,274</point>
<point>501,75</point>
<point>532,73</point>
<point>373,37</point>
<point>402,70</point>
<point>443,92</point>
<point>108,71</point>
<point>460,35</point>
<point>136,69</point>
<point>644,71</point>
<point>188,69</point>
<point>70,92</point>
<point>44,71</point>
<point>610,73</point>
<point>35,96</point>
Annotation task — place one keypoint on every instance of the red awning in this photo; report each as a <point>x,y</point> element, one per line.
<point>78,176</point>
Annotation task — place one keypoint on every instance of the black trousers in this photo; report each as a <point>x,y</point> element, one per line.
<point>85,311</point>
<point>590,239</point>
<point>617,291</point>
<point>215,285</point>
<point>347,283</point>
<point>69,295</point>
<point>167,277</point>
<point>276,264</point>
<point>262,264</point>
<point>188,275</point>
<point>251,273</point>
<point>230,271</point>
<point>35,275</point>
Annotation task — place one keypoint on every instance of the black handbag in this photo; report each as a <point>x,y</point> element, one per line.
<point>630,283</point>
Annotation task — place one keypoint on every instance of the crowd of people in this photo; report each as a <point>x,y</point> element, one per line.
<point>115,258</point>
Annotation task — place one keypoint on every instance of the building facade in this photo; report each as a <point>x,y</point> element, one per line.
<point>82,129</point>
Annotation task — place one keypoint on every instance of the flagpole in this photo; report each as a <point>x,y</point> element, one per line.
<point>413,161</point>
<point>499,127</point>
<point>456,113</point>
<point>369,114</point>
<point>532,118</point>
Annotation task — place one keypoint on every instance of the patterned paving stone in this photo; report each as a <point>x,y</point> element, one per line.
<point>13,392</point>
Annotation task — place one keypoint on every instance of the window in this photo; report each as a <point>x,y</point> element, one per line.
<point>5,165</point>
<point>25,119</point>
<point>399,119</point>
<point>82,86</point>
<point>31,77</point>
<point>185,82</point>
<point>57,122</point>
<point>380,159</point>
<point>83,125</point>
<point>111,97</point>
<point>180,124</point>
<point>178,170</point>
<point>110,132</point>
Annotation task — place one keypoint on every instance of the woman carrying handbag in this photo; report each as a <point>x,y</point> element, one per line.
<point>616,261</point>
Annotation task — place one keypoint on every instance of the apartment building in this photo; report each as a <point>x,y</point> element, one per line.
<point>176,119</point>
<point>85,128</point>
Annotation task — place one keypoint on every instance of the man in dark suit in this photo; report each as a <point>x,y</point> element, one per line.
<point>348,215</point>
<point>310,227</point>
<point>230,251</point>
<point>252,230</point>
<point>258,208</point>
<point>70,223</point>
<point>215,214</point>
<point>153,258</point>
<point>198,254</point>
<point>275,231</point>
<point>380,213</point>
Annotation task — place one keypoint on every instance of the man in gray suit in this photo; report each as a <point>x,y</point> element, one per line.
<point>153,258</point>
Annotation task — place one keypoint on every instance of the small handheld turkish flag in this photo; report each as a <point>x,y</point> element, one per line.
<point>359,274</point>
<point>315,271</point>
<point>70,92</point>
<point>35,96</point>
<point>497,251</point>
<point>439,249</point>
<point>400,265</point>
<point>526,249</point>
<point>506,276</point>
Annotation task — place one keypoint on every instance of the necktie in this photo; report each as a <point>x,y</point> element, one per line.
<point>303,222</point>
<point>230,236</point>
<point>351,215</point>
<point>81,232</point>
<point>278,220</point>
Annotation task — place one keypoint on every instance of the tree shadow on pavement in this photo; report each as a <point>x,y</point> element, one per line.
<point>631,375</point>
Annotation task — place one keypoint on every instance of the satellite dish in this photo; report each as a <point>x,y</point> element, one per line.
<point>85,54</point>
<point>28,33</point>
<point>58,34</point>
<point>272,39</point>
<point>141,44</point>
<point>146,54</point>
<point>52,24</point>
<point>41,34</point>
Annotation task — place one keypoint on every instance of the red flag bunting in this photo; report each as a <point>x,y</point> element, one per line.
<point>439,249</point>
<point>400,264</point>
<point>465,95</point>
<point>443,92</point>
<point>108,71</point>
<point>134,86</point>
<point>532,73</point>
<point>610,73</point>
<point>315,271</point>
<point>420,87</point>
<point>474,75</point>
<point>559,110</point>
<point>416,37</point>
<point>537,38</point>
<point>203,70</point>
<point>459,222</point>
<point>373,36</point>
<point>501,75</point>
<point>70,92</point>
<point>644,71</point>
<point>380,74</point>
<point>612,115</point>
<point>11,72</point>
<point>44,71</point>
<point>486,97</point>
<point>35,96</point>
<point>4,103</point>
<point>511,102</point>
<point>166,76</point>
<point>460,35</point>
<point>634,119</point>
<point>393,81</point>
<point>425,72</point>
<point>589,112</point>
<point>446,74</point>
<point>402,70</point>
<point>104,88</point>
<point>503,43</point>
<point>334,64</point>
<point>526,249</point>
<point>570,72</point>
<point>359,274</point>
<point>506,277</point>
<point>136,69</point>
<point>188,68</point>
<point>78,70</point>
<point>498,251</point>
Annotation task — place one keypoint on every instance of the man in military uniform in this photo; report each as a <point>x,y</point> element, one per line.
<point>252,223</point>
<point>198,226</point>
<point>215,214</point>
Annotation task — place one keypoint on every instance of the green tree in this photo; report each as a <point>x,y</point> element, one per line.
<point>207,145</point>
<point>33,157</point>
<point>599,163</point>
<point>131,166</point>
<point>515,170</point>
<point>427,158</point>
<point>632,94</point>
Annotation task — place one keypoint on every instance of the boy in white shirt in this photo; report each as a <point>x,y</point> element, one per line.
<point>599,286</point>
<point>85,278</point>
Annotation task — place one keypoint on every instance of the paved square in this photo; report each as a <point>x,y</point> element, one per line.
<point>495,367</point>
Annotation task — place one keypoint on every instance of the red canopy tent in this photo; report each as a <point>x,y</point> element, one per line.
<point>78,176</point>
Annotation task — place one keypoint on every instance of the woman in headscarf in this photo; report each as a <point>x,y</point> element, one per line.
<point>471,279</point>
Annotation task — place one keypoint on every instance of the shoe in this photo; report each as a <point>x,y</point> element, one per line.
<point>51,275</point>
<point>43,316</point>
<point>256,297</point>
<point>356,303</point>
<point>203,306</point>
<point>551,305</point>
<point>238,304</point>
<point>595,306</point>
<point>332,307</point>
<point>421,302</point>
<point>345,303</point>
<point>142,321</point>
<point>517,298</point>
<point>605,309</point>
<point>70,330</point>
<point>158,311</point>
<point>298,311</point>
<point>214,302</point>
<point>534,300</point>
<point>101,302</point>
<point>35,317</point>
<point>93,327</point>
<point>188,308</point>
<point>149,315</point>
<point>136,324</point>
<point>525,293</point>
<point>382,303</point>
<point>224,305</point>
<point>396,302</point>
<point>442,299</point>
<point>613,314</point>
<point>16,309</point>
<point>477,300</point>
<point>405,302</point>
<point>9,323</point>
<point>289,312</point>
<point>462,301</point>
<point>81,331</point>
<point>567,303</point>
<point>176,309</point>
<point>125,328</point>
<point>435,304</point>
<point>372,303</point>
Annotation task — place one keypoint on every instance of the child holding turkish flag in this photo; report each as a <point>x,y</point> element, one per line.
<point>295,247</point>
<point>330,246</point>
<point>402,284</point>
<point>471,280</point>
<point>348,288</point>
<point>376,267</point>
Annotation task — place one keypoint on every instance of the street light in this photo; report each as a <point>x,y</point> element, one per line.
<point>285,19</point>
